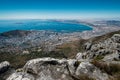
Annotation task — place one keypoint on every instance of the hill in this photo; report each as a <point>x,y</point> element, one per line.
<point>15,33</point>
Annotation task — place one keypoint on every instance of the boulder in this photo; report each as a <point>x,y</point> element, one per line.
<point>88,69</point>
<point>49,68</point>
<point>116,38</point>
<point>4,66</point>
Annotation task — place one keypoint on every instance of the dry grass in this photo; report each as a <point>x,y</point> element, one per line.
<point>85,77</point>
<point>116,76</point>
<point>18,61</point>
<point>82,77</point>
<point>110,69</point>
<point>72,48</point>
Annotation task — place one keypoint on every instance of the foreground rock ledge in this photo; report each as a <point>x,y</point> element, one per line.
<point>56,69</point>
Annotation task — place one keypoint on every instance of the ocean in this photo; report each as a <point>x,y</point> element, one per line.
<point>52,25</point>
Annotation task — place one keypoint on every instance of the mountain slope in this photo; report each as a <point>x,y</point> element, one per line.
<point>79,46</point>
<point>96,58</point>
<point>15,33</point>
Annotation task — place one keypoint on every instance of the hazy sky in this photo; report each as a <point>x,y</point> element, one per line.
<point>68,9</point>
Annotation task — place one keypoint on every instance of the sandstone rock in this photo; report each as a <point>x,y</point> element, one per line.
<point>33,66</point>
<point>88,45</point>
<point>103,48</point>
<point>4,66</point>
<point>72,66</point>
<point>20,76</point>
<point>90,70</point>
<point>112,57</point>
<point>49,68</point>
<point>57,69</point>
<point>116,38</point>
<point>79,56</point>
<point>82,56</point>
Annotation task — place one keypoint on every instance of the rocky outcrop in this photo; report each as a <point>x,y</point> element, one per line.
<point>57,69</point>
<point>4,66</point>
<point>109,47</point>
<point>48,69</point>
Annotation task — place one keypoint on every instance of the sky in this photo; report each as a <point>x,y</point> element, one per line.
<point>60,9</point>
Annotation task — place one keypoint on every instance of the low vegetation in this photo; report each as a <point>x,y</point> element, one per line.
<point>71,49</point>
<point>18,61</point>
<point>85,77</point>
<point>99,57</point>
<point>111,68</point>
<point>115,77</point>
<point>82,77</point>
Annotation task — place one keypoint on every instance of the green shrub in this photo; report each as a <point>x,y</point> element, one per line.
<point>99,57</point>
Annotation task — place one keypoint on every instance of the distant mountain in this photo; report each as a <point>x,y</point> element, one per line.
<point>109,22</point>
<point>113,22</point>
